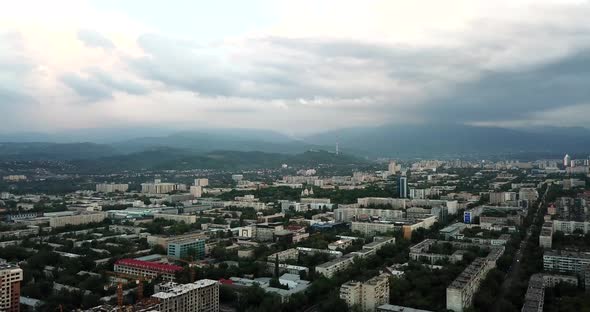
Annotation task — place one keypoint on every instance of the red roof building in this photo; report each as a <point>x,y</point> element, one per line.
<point>146,268</point>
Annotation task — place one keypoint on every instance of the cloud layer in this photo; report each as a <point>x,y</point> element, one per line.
<point>309,68</point>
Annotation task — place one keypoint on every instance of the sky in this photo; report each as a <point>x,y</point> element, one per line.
<point>297,67</point>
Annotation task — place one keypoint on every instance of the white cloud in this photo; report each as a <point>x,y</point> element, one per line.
<point>323,65</point>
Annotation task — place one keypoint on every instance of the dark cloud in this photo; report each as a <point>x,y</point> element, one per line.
<point>516,94</point>
<point>95,39</point>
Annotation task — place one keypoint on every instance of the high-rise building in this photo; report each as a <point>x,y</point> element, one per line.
<point>200,296</point>
<point>368,295</point>
<point>196,191</point>
<point>402,186</point>
<point>10,278</point>
<point>567,160</point>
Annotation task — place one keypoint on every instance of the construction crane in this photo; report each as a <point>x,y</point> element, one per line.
<point>120,296</point>
<point>138,280</point>
<point>191,264</point>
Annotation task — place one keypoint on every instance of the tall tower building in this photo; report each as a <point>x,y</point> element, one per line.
<point>10,278</point>
<point>402,186</point>
<point>567,160</point>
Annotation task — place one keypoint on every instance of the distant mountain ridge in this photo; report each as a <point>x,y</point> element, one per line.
<point>201,141</point>
<point>174,159</point>
<point>433,140</point>
<point>54,151</point>
<point>400,141</point>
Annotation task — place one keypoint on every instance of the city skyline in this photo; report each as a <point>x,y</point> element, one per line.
<point>298,67</point>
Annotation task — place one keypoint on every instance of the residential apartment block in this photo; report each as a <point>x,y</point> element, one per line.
<point>10,279</point>
<point>568,227</point>
<point>368,295</point>
<point>354,214</point>
<point>83,218</point>
<point>111,187</point>
<point>188,219</point>
<point>200,296</point>
<point>461,291</point>
<point>565,261</point>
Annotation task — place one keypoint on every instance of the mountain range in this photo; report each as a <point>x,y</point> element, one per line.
<point>399,141</point>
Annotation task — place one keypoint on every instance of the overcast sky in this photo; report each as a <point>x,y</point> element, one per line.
<point>295,66</point>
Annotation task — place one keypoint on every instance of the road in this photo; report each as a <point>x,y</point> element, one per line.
<point>515,267</point>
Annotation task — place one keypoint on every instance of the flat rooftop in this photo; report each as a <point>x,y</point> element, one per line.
<point>180,289</point>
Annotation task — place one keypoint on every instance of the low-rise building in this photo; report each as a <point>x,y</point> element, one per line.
<point>413,225</point>
<point>460,292</point>
<point>568,227</point>
<point>186,248</point>
<point>328,269</point>
<point>289,254</point>
<point>188,219</point>
<point>165,240</point>
<point>340,244</point>
<point>332,267</point>
<point>112,187</point>
<point>372,228</point>
<point>307,250</point>
<point>529,194</point>
<point>565,261</point>
<point>293,282</point>
<point>258,206</point>
<point>355,214</point>
<point>452,230</point>
<point>147,269</point>
<point>378,243</point>
<point>83,218</point>
<point>535,294</point>
<point>14,178</point>
<point>287,268</point>
<point>266,231</point>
